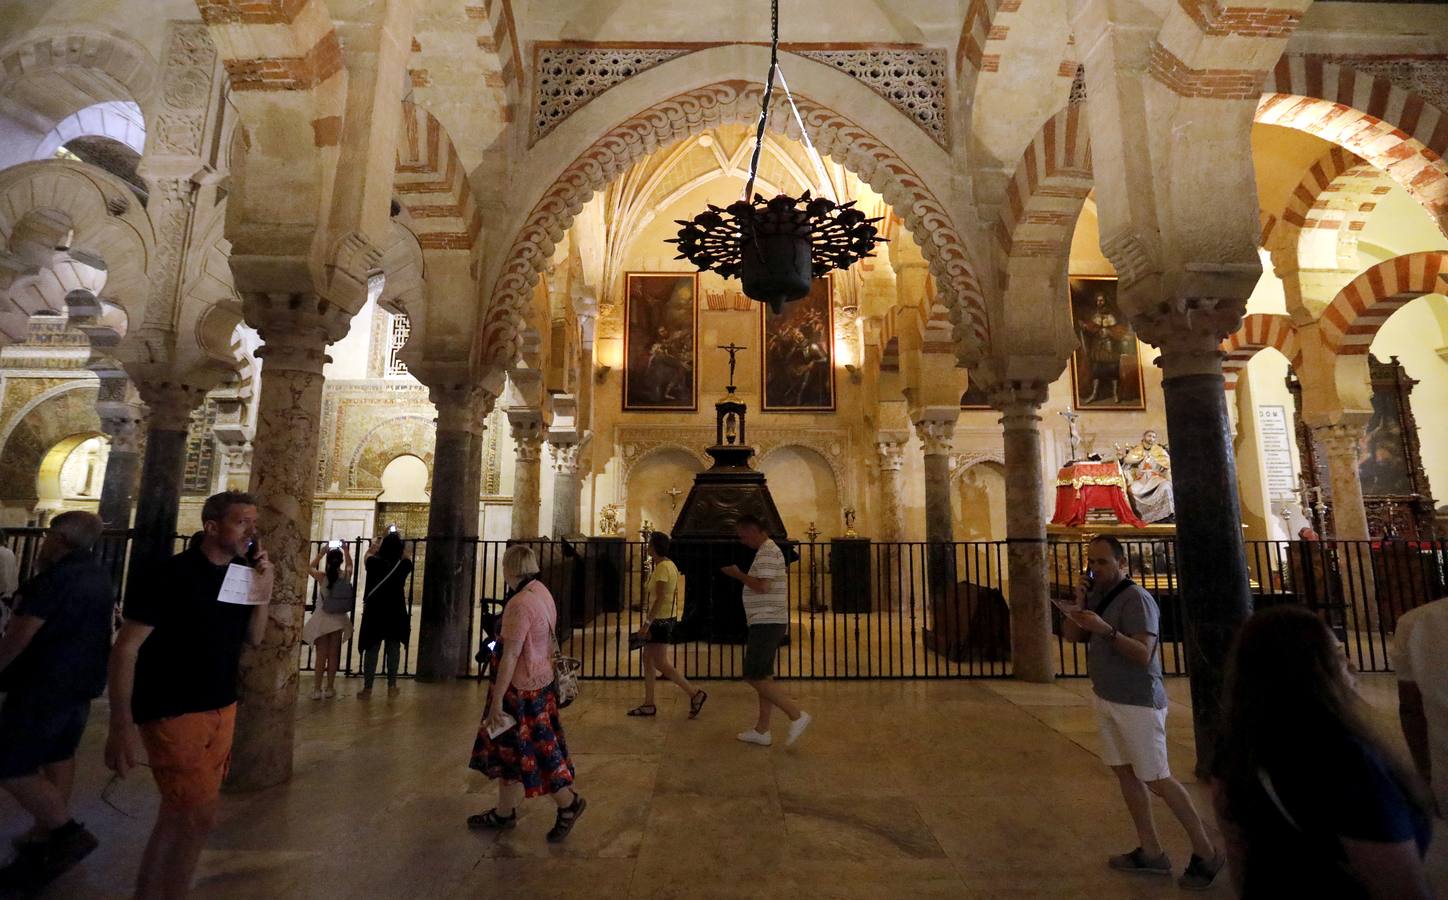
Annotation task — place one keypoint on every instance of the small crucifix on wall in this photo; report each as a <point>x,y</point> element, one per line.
<point>673,494</point>
<point>731,348</point>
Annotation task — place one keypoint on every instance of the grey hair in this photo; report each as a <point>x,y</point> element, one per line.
<point>78,528</point>
<point>519,560</point>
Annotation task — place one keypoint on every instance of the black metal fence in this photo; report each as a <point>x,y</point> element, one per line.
<point>865,610</point>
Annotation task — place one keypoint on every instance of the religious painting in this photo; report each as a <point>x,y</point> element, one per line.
<point>799,352</point>
<point>1383,466</point>
<point>974,397</point>
<point>660,341</point>
<point>1106,366</point>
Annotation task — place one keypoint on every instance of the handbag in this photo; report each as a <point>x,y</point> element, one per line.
<point>565,673</point>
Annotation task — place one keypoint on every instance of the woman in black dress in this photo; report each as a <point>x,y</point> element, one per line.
<point>384,611</point>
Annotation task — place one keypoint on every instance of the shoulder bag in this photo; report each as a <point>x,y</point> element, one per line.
<point>565,673</point>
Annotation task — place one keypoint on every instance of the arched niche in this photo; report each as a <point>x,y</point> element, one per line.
<point>804,489</point>
<point>71,473</point>
<point>978,501</point>
<point>649,481</point>
<point>28,437</point>
<point>405,480</point>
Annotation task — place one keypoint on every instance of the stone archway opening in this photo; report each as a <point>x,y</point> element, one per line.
<point>71,474</point>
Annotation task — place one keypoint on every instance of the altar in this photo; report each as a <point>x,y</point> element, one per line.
<point>1084,487</point>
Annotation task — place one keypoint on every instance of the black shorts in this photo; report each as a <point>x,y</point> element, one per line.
<point>759,652</point>
<point>36,732</point>
<point>661,631</point>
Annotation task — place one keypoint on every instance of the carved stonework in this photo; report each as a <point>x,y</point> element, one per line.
<point>700,110</point>
<point>891,455</point>
<point>565,457</point>
<point>186,80</point>
<point>912,79</point>
<point>200,471</point>
<point>938,436</point>
<point>565,79</point>
<point>356,432</point>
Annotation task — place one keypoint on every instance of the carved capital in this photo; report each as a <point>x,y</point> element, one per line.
<point>124,424</point>
<point>526,426</point>
<point>1189,334</point>
<point>567,457</point>
<point>169,403</point>
<point>1019,403</point>
<point>1341,439</point>
<point>461,406</point>
<point>295,328</point>
<point>891,455</point>
<point>938,435</point>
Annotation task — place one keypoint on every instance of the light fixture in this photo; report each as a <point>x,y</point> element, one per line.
<point>600,373</point>
<point>776,247</point>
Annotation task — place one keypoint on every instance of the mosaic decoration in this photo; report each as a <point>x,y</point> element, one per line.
<point>200,451</point>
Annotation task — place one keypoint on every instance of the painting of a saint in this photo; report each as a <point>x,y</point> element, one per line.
<point>1106,367</point>
<point>799,353</point>
<point>660,342</point>
<point>1382,457</point>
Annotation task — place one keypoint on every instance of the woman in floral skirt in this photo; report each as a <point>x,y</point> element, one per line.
<point>530,757</point>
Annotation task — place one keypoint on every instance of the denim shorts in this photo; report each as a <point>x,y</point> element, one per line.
<point>36,732</point>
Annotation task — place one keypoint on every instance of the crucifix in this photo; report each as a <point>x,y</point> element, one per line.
<point>673,494</point>
<point>1074,431</point>
<point>731,349</point>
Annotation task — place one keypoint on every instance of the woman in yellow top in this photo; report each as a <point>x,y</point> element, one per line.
<point>665,593</point>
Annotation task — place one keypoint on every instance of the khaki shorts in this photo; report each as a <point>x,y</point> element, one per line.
<point>189,755</point>
<point>1133,736</point>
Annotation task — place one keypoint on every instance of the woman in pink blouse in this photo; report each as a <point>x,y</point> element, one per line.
<point>520,742</point>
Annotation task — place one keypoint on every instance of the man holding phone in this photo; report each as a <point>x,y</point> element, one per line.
<point>1120,622</point>
<point>173,680</point>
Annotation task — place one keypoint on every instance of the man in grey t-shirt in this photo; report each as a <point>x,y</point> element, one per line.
<point>1121,622</point>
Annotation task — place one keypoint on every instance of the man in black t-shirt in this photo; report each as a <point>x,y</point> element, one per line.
<point>174,681</point>
<point>53,663</point>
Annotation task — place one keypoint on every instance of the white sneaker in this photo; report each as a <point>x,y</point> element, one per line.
<point>316,695</point>
<point>328,694</point>
<point>797,727</point>
<point>753,737</point>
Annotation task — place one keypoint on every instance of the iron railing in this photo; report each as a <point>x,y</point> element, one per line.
<point>864,610</point>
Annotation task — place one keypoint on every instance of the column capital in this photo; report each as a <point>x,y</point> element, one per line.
<point>937,434</point>
<point>891,454</point>
<point>461,406</point>
<point>295,328</point>
<point>526,426</point>
<point>124,424</point>
<point>1019,402</point>
<point>1341,437</point>
<point>566,455</point>
<point>1189,334</point>
<point>170,403</point>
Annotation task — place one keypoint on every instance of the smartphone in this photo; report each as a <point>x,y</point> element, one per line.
<point>334,544</point>
<point>391,529</point>
<point>251,550</point>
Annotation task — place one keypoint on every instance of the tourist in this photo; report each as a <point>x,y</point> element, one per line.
<point>665,590</point>
<point>52,665</point>
<point>9,580</point>
<point>1121,623</point>
<point>385,619</point>
<point>766,609</point>
<point>173,676</point>
<point>520,742</point>
<point>1420,648</point>
<point>1310,801</point>
<point>331,621</point>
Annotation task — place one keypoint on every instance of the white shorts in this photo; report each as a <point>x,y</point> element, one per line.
<point>1133,736</point>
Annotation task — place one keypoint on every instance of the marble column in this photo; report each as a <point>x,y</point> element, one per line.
<point>295,330</point>
<point>937,435</point>
<point>447,587</point>
<point>158,497</point>
<point>124,424</point>
<point>1340,443</point>
<point>1211,557</point>
<point>527,429</point>
<point>567,486</point>
<point>1033,651</point>
<point>890,455</point>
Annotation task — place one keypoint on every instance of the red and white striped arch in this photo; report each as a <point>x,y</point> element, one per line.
<point>1258,332</point>
<point>1353,318</point>
<point>1394,130</point>
<point>1044,197</point>
<point>432,184</point>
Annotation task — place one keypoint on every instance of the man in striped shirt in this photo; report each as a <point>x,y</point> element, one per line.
<point>766,608</point>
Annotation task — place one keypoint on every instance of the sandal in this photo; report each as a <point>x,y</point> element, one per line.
<point>491,819</point>
<point>696,703</point>
<point>647,709</point>
<point>567,816</point>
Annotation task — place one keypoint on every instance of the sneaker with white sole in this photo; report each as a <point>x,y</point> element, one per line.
<point>753,737</point>
<point>316,695</point>
<point>797,727</point>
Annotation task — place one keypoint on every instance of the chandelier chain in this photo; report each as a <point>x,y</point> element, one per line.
<point>768,95</point>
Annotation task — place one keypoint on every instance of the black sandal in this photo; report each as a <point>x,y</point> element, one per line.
<point>567,816</point>
<point>646,710</point>
<point>696,703</point>
<point>491,820</point>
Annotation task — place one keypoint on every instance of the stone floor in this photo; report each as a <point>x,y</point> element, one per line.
<point>900,789</point>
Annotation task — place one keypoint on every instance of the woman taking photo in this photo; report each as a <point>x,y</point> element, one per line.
<point>1308,798</point>
<point>664,591</point>
<point>384,611</point>
<point>520,743</point>
<point>330,624</point>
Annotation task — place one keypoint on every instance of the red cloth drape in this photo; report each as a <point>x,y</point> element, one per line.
<point>1081,487</point>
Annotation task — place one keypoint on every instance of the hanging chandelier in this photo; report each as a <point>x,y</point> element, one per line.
<point>776,247</point>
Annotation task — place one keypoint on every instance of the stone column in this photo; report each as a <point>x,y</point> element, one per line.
<point>446,591</point>
<point>890,454</point>
<point>1340,443</point>
<point>938,435</point>
<point>158,497</point>
<point>527,428</point>
<point>295,330</point>
<point>1032,648</point>
<point>567,485</point>
<point>124,424</point>
<point>1211,557</point>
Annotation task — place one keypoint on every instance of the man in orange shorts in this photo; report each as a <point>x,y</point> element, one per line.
<point>173,683</point>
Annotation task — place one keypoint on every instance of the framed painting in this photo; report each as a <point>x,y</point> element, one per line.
<point>974,397</point>
<point>799,353</point>
<point>1106,366</point>
<point>661,341</point>
<point>1384,456</point>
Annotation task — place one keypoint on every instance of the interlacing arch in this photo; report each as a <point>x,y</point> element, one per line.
<point>1354,316</point>
<point>1394,130</point>
<point>1258,332</point>
<point>697,110</point>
